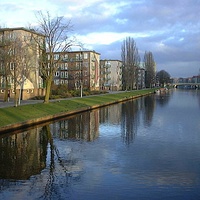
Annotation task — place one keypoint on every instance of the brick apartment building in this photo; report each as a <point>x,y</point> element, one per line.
<point>76,68</point>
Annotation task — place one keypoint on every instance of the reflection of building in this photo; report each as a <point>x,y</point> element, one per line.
<point>84,126</point>
<point>23,154</point>
<point>111,75</point>
<point>19,62</point>
<point>76,68</point>
<point>113,113</point>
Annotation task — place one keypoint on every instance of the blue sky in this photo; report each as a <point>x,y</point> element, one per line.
<point>169,29</point>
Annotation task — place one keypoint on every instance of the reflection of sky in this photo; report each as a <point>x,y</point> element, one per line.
<point>110,130</point>
<point>164,158</point>
<point>163,162</point>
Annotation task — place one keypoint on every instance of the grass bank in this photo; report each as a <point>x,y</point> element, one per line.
<point>27,115</point>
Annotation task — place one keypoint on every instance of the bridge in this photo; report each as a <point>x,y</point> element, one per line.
<point>191,85</point>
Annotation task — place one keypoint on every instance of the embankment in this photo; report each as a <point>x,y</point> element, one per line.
<point>13,118</point>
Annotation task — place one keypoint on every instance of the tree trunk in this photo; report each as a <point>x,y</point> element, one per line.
<point>48,89</point>
<point>6,91</point>
<point>16,98</point>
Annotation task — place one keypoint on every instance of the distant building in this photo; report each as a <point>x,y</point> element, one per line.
<point>140,78</point>
<point>196,79</point>
<point>111,75</point>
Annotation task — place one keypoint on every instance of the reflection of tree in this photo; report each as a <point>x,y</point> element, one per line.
<point>130,121</point>
<point>149,105</point>
<point>65,166</point>
<point>22,154</point>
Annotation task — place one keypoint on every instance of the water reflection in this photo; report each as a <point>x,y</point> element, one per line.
<point>130,120</point>
<point>147,144</point>
<point>22,155</point>
<point>163,98</point>
<point>84,126</point>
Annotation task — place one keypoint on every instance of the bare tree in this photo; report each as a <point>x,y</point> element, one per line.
<point>150,67</point>
<point>130,61</point>
<point>20,69</point>
<point>5,60</point>
<point>57,40</point>
<point>14,58</point>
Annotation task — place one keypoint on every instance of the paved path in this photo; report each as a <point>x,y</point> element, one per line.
<point>11,103</point>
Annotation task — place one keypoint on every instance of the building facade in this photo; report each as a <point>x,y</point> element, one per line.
<point>140,82</point>
<point>19,63</point>
<point>78,68</point>
<point>111,75</point>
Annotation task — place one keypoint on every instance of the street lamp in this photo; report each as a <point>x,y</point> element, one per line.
<point>81,78</point>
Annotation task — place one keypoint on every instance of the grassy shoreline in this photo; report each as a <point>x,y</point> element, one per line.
<point>26,115</point>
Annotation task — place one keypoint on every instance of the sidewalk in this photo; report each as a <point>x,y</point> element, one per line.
<point>11,103</point>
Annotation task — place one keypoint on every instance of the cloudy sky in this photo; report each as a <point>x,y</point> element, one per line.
<point>170,29</point>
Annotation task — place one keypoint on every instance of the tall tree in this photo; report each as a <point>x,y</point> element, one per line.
<point>163,77</point>
<point>150,67</point>
<point>21,68</point>
<point>14,59</point>
<point>130,62</point>
<point>5,60</point>
<point>56,31</point>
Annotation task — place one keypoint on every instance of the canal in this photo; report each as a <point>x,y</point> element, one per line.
<point>148,148</point>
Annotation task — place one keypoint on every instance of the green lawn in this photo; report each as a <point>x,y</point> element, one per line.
<point>12,115</point>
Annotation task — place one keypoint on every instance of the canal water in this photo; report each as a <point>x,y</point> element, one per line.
<point>148,148</point>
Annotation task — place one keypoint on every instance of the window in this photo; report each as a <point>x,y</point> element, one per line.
<point>56,56</point>
<point>62,81</point>
<point>62,66</point>
<point>1,37</point>
<point>57,74</point>
<point>66,74</point>
<point>85,56</point>
<point>65,57</point>
<point>56,82</point>
<point>11,52</point>
<point>12,66</point>
<point>62,74</point>
<point>77,65</point>
<point>85,64</point>
<point>66,66</point>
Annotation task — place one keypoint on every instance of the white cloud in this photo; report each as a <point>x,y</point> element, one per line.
<point>106,38</point>
<point>170,30</point>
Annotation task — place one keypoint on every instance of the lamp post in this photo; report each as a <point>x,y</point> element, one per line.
<point>81,78</point>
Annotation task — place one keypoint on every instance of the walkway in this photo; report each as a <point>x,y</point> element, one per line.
<point>23,102</point>
<point>11,103</point>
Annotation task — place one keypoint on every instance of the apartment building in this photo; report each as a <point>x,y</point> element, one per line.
<point>19,62</point>
<point>140,75</point>
<point>111,75</point>
<point>78,68</point>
